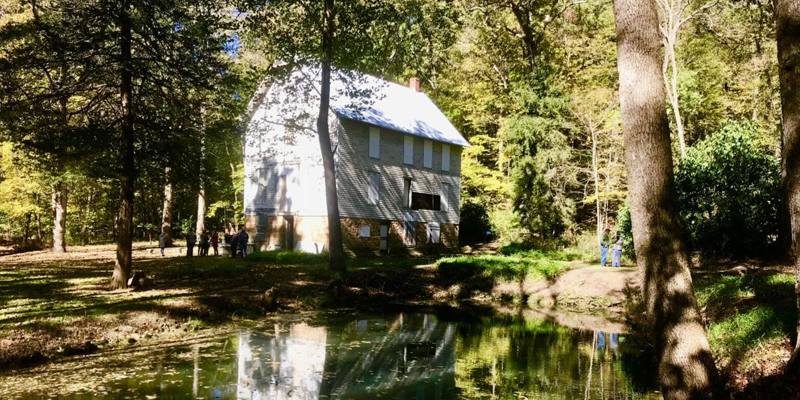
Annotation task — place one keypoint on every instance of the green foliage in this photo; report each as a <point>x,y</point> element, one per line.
<point>515,262</point>
<point>515,267</point>
<point>24,198</point>
<point>506,225</point>
<point>474,223</point>
<point>482,181</point>
<point>728,190</point>
<point>625,231</point>
<point>540,155</point>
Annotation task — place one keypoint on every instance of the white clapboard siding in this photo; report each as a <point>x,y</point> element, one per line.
<point>354,167</point>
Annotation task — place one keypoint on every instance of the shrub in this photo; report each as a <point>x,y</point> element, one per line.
<point>474,223</point>
<point>625,231</point>
<point>728,190</point>
<point>728,194</point>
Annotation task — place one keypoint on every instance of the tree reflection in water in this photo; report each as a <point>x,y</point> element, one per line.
<point>359,356</point>
<point>417,356</point>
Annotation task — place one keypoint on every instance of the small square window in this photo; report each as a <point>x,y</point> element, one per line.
<point>363,231</point>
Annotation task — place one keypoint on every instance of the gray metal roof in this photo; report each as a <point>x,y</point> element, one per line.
<point>392,106</point>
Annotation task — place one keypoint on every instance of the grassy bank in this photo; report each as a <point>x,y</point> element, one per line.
<point>498,267</point>
<point>53,305</point>
<point>751,319</point>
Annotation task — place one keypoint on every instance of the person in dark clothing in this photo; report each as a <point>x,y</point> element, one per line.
<point>234,243</point>
<point>204,243</point>
<point>162,242</point>
<point>242,238</point>
<point>215,242</point>
<point>191,239</point>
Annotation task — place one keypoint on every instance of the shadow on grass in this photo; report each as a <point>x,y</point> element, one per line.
<point>744,310</point>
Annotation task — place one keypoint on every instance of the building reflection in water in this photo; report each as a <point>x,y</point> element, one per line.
<point>408,357</point>
<point>288,365</point>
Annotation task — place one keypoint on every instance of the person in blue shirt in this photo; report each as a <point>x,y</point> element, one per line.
<point>604,250</point>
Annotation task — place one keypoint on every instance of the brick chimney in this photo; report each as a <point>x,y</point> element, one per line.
<point>413,83</point>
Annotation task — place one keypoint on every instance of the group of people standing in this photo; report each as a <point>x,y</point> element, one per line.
<point>206,240</point>
<point>616,251</point>
<point>237,241</point>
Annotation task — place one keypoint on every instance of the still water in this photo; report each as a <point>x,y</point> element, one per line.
<point>387,356</point>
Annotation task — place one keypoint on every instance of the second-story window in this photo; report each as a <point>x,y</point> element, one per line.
<point>427,155</point>
<point>374,142</point>
<point>445,157</point>
<point>408,150</point>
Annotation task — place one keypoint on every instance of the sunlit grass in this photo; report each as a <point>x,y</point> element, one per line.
<point>748,311</point>
<point>518,266</point>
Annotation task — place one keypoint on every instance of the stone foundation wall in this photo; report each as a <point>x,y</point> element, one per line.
<point>310,234</point>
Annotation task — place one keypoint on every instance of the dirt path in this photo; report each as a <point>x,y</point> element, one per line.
<point>592,289</point>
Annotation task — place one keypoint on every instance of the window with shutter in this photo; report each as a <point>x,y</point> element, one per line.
<point>408,150</point>
<point>445,157</point>
<point>427,155</point>
<point>374,142</point>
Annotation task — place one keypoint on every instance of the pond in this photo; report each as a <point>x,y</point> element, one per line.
<point>362,356</point>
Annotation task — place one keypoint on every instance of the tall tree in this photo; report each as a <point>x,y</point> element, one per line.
<point>122,264</point>
<point>787,20</point>
<point>673,17</point>
<point>686,367</point>
<point>59,202</point>
<point>335,245</point>
<point>166,208</point>
<point>136,70</point>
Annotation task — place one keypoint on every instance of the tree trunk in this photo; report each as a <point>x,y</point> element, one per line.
<point>671,21</point>
<point>59,218</point>
<point>675,103</point>
<point>787,19</point>
<point>335,247</point>
<point>202,207</point>
<point>596,176</point>
<point>26,233</point>
<point>166,213</point>
<point>202,204</point>
<point>122,266</point>
<point>686,367</point>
